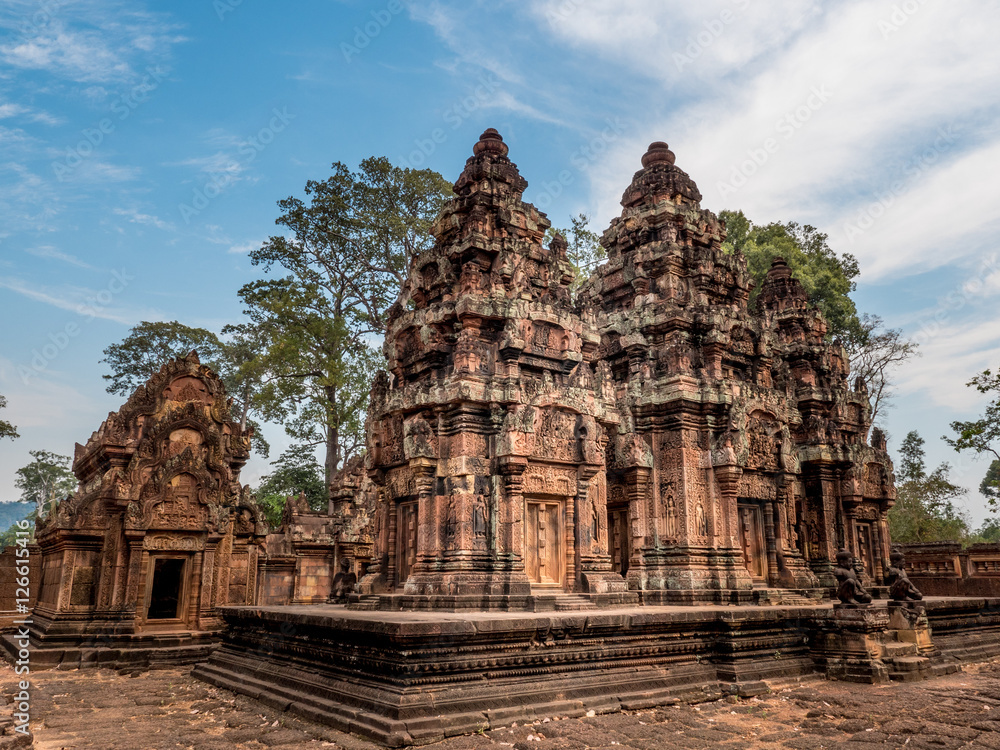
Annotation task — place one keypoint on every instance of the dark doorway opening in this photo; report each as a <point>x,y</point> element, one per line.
<point>165,594</point>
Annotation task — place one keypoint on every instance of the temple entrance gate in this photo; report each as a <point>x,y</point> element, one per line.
<point>545,542</point>
<point>620,547</point>
<point>406,536</point>
<point>167,590</point>
<point>866,548</point>
<point>751,529</point>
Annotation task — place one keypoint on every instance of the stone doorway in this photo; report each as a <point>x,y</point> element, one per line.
<point>620,548</point>
<point>751,527</point>
<point>167,589</point>
<point>544,543</point>
<point>406,546</point>
<point>866,549</point>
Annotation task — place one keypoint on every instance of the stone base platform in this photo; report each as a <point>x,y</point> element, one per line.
<point>79,644</point>
<point>416,677</point>
<point>406,678</point>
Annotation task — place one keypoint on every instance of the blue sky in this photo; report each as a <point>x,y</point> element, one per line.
<point>144,145</point>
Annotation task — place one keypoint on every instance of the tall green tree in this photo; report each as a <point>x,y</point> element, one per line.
<point>45,481</point>
<point>343,262</point>
<point>296,472</point>
<point>827,277</point>
<point>7,430</point>
<point>151,344</point>
<point>925,503</point>
<point>983,435</point>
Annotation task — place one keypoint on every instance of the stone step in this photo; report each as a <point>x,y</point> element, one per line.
<point>559,603</point>
<point>900,650</point>
<point>909,668</point>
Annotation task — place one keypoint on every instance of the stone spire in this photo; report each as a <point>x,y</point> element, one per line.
<point>489,170</point>
<point>658,178</point>
<point>782,291</point>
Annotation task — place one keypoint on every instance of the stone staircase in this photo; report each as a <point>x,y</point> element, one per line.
<point>558,602</point>
<point>906,664</point>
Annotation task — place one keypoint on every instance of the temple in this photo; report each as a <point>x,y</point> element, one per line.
<point>159,535</point>
<point>580,454</point>
<point>660,438</point>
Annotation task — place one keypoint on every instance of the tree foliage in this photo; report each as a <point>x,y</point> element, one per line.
<point>584,250</point>
<point>828,278</point>
<point>150,345</point>
<point>296,472</point>
<point>7,430</point>
<point>990,486</point>
<point>315,327</point>
<point>874,350</point>
<point>983,435</point>
<point>925,503</point>
<point>988,532</point>
<point>10,515</point>
<point>45,481</point>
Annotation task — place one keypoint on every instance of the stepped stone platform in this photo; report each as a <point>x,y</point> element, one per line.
<point>406,678</point>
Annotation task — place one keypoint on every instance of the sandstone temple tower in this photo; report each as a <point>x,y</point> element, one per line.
<point>739,438</point>
<point>660,434</point>
<point>488,434</point>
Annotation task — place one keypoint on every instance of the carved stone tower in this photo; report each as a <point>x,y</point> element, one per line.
<point>487,435</point>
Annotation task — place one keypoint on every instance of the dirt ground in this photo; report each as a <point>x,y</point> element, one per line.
<point>168,709</point>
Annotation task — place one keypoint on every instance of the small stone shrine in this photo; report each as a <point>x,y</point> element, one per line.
<point>159,534</point>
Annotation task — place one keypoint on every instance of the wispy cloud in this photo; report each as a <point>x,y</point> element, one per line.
<point>136,217</point>
<point>85,42</point>
<point>47,251</point>
<point>243,248</point>
<point>79,300</point>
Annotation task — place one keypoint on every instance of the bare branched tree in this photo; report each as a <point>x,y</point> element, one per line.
<point>875,353</point>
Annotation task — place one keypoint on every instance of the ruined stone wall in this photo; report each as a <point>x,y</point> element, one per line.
<point>10,563</point>
<point>948,569</point>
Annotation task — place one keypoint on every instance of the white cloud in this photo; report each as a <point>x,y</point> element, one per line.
<point>244,248</point>
<point>47,251</point>
<point>846,112</point>
<point>82,301</point>
<point>85,42</point>
<point>677,42</point>
<point>136,217</point>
